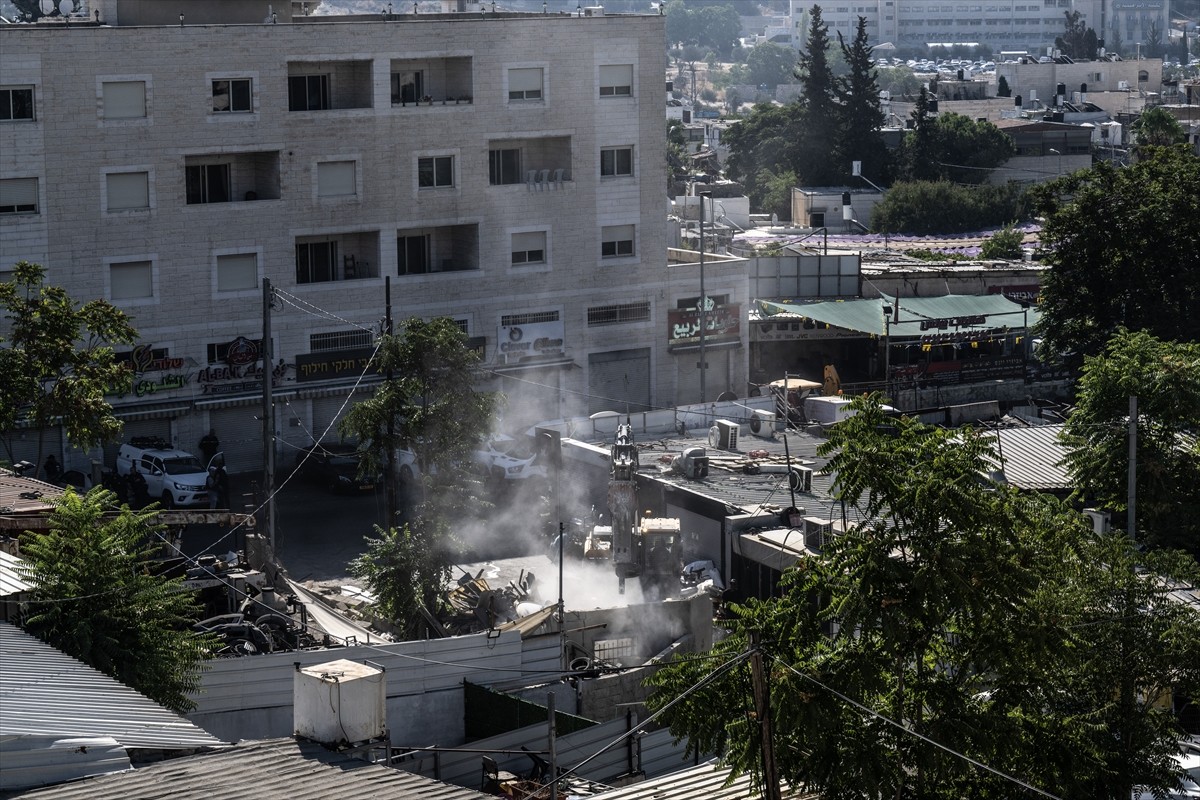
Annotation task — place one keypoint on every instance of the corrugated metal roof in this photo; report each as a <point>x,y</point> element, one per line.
<point>45,692</point>
<point>1033,457</point>
<point>705,782</point>
<point>38,494</point>
<point>867,316</point>
<point>275,769</point>
<point>10,579</point>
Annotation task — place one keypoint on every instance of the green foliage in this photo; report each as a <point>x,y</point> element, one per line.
<point>860,117</point>
<point>1121,244</point>
<point>715,26</point>
<point>1078,41</point>
<point>993,623</point>
<point>952,147</point>
<point>1165,377</point>
<point>406,569</point>
<point>900,81</point>
<point>776,197</point>
<point>1155,127</point>
<point>1154,42</point>
<point>58,360</point>
<point>770,64</point>
<point>763,141</point>
<point>1002,87</point>
<point>1004,243</point>
<point>924,207</point>
<point>96,597</point>
<point>677,155</point>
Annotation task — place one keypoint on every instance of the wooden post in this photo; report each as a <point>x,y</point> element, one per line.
<point>762,708</point>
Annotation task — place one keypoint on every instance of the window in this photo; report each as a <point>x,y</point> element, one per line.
<point>531,318</point>
<point>16,102</point>
<point>237,272</point>
<point>408,86</point>
<point>412,254</point>
<point>616,80</point>
<point>19,196</point>
<point>504,166</point>
<point>207,183</point>
<point>339,340</point>
<point>616,161</point>
<point>616,241</point>
<point>616,314</point>
<point>128,190</point>
<point>336,179</point>
<point>529,248</point>
<point>316,262</point>
<point>232,96</point>
<point>434,172</point>
<point>131,280</point>
<point>124,99</point>
<point>308,92</point>
<point>525,83</point>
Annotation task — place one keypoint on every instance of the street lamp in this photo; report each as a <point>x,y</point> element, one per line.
<point>1059,154</point>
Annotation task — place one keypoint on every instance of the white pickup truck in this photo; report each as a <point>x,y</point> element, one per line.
<point>173,476</point>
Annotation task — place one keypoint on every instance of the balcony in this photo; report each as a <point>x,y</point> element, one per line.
<point>446,248</point>
<point>431,82</point>
<point>340,257</point>
<point>231,177</point>
<point>540,164</point>
<point>329,85</point>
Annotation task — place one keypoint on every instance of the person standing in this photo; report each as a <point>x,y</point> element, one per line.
<point>209,445</point>
<point>51,471</point>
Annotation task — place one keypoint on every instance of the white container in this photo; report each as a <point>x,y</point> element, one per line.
<point>340,703</point>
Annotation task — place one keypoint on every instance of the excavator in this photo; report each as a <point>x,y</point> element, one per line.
<point>649,548</point>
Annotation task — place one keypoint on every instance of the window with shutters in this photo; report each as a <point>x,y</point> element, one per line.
<point>16,103</point>
<point>526,83</point>
<point>616,80</point>
<point>528,248</point>
<point>616,241</point>
<point>127,191</point>
<point>131,280</point>
<point>19,196</point>
<point>123,100</point>
<point>336,179</point>
<point>237,272</point>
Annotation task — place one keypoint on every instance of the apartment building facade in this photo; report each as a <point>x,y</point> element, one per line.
<point>1001,24</point>
<point>506,170</point>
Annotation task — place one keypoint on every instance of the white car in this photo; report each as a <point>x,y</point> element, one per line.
<point>175,477</point>
<point>501,458</point>
<point>1189,785</point>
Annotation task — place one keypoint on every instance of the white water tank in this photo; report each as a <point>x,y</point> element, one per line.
<point>340,702</point>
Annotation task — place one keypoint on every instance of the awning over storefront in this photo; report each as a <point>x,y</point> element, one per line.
<point>917,316</point>
<point>143,411</point>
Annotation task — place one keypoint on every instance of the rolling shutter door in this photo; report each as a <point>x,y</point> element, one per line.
<point>241,437</point>
<point>619,381</point>
<point>25,446</point>
<point>325,411</point>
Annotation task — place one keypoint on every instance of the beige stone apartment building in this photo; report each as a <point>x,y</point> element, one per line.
<point>503,169</point>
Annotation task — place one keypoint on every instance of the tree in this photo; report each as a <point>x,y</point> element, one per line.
<point>917,154</point>
<point>860,117</point>
<point>1154,42</point>
<point>1165,377</point>
<point>720,27</point>
<point>1120,244</point>
<point>923,207</point>
<point>1155,127</point>
<point>406,568</point>
<point>761,145</point>
<point>952,147</point>
<point>957,610</point>
<point>900,81</point>
<point>677,154</point>
<point>1115,45</point>
<point>58,362</point>
<point>819,132</point>
<point>1002,87</point>
<point>427,403</point>
<point>770,65</point>
<point>1078,40</point>
<point>1004,243</point>
<point>97,596</point>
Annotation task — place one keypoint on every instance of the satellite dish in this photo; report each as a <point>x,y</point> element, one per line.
<point>47,6</point>
<point>65,7</point>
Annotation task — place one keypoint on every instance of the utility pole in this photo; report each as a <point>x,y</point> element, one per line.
<point>268,416</point>
<point>762,709</point>
<point>702,308</point>
<point>552,736</point>
<point>1131,480</point>
<point>390,477</point>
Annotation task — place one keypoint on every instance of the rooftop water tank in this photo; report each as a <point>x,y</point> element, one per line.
<point>340,703</point>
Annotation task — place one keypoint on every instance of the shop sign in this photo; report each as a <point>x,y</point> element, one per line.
<point>722,325</point>
<point>332,364</point>
<point>145,359</point>
<point>535,340</point>
<point>1021,293</point>
<point>942,373</point>
<point>941,323</point>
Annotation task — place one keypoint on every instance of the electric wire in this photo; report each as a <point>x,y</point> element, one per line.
<point>910,731</point>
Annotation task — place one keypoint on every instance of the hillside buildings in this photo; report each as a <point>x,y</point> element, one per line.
<point>503,169</point>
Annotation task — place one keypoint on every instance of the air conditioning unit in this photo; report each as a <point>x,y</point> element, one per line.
<point>1101,520</point>
<point>723,435</point>
<point>763,424</point>
<point>800,479</point>
<point>818,532</point>
<point>692,463</point>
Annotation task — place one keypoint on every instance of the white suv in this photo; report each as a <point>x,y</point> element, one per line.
<point>174,476</point>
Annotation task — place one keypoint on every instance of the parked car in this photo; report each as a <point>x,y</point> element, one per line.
<point>1189,785</point>
<point>334,466</point>
<point>502,458</point>
<point>176,477</point>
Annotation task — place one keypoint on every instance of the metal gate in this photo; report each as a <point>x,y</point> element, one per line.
<point>716,376</point>
<point>241,434</point>
<point>619,380</point>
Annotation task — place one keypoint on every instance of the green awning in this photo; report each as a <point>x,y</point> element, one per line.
<point>918,316</point>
